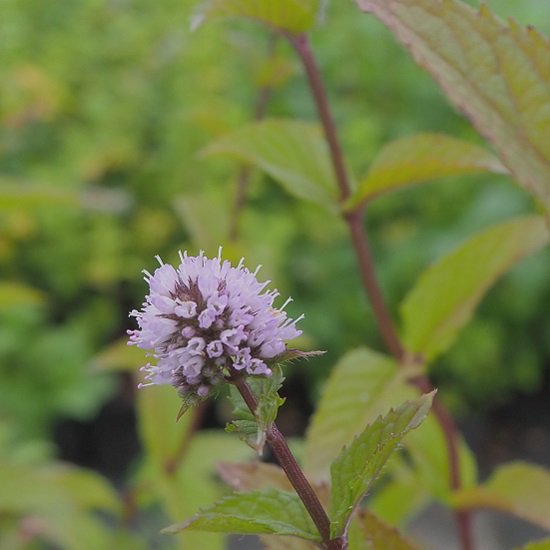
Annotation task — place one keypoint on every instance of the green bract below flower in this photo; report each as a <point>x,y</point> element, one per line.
<point>206,319</point>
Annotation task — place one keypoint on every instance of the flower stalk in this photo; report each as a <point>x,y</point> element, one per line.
<point>288,463</point>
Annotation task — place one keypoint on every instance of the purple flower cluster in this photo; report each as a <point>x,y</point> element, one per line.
<point>205,318</point>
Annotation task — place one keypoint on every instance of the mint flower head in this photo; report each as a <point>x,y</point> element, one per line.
<point>205,320</point>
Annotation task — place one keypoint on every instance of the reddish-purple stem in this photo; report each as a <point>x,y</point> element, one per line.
<point>354,220</point>
<point>288,463</point>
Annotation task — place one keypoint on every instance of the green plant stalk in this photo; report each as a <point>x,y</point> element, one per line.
<point>354,220</point>
<point>288,463</point>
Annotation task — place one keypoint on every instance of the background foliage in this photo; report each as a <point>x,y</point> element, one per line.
<point>105,106</point>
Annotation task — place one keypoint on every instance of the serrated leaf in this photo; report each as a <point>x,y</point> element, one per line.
<point>291,152</point>
<point>368,532</point>
<point>518,488</point>
<point>497,74</point>
<point>289,15</point>
<point>259,512</point>
<point>359,465</point>
<point>361,386</point>
<point>250,476</point>
<point>422,158</point>
<point>444,298</point>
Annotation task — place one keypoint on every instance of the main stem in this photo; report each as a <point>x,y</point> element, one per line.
<point>288,463</point>
<point>365,261</point>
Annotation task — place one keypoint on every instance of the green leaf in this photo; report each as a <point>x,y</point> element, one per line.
<point>253,427</point>
<point>444,298</point>
<point>289,15</point>
<point>27,489</point>
<point>160,434</point>
<point>519,488</point>
<point>14,294</point>
<point>421,158</point>
<point>361,386</point>
<point>497,74</point>
<point>259,512</point>
<point>402,496</point>
<point>368,532</point>
<point>359,465</point>
<point>428,451</point>
<point>291,152</point>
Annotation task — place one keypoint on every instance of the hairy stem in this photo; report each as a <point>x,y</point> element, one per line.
<point>243,178</point>
<point>354,220</point>
<point>288,463</point>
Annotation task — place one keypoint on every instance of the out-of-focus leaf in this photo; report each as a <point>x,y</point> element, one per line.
<point>360,464</point>
<point>249,476</point>
<point>25,195</point>
<point>401,497</point>
<point>368,532</point>
<point>16,294</point>
<point>421,158</point>
<point>519,488</point>
<point>543,544</point>
<point>259,512</point>
<point>160,434</point>
<point>497,74</point>
<point>291,152</point>
<point>428,450</point>
<point>273,542</point>
<point>362,385</point>
<point>289,15</point>
<point>444,298</point>
<point>119,356</point>
<point>27,489</point>
<point>205,218</point>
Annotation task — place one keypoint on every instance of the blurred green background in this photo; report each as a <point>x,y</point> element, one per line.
<point>104,107</point>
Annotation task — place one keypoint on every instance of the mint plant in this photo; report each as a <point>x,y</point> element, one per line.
<point>498,75</point>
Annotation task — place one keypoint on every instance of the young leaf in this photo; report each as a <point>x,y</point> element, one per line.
<point>362,385</point>
<point>497,74</point>
<point>294,16</point>
<point>259,512</point>
<point>368,532</point>
<point>445,296</point>
<point>518,488</point>
<point>358,466</point>
<point>291,152</point>
<point>424,157</point>
<point>252,427</point>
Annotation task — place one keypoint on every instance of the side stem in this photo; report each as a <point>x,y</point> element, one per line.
<point>365,261</point>
<point>288,463</point>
